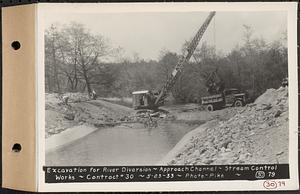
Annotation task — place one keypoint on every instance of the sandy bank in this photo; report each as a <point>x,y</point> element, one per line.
<point>68,136</point>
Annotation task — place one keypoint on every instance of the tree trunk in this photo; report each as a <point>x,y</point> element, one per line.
<point>55,65</point>
<point>87,82</point>
<point>75,79</point>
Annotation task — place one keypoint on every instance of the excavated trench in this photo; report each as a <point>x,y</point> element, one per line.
<point>126,144</point>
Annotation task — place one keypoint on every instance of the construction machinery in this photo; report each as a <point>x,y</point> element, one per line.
<point>149,100</point>
<point>226,98</point>
<point>219,96</point>
<point>214,83</point>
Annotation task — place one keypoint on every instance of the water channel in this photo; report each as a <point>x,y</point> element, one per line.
<point>121,145</point>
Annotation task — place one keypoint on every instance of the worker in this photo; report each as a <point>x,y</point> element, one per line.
<point>141,98</point>
<point>94,95</point>
<point>285,82</point>
<point>65,99</point>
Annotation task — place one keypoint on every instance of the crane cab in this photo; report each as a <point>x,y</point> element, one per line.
<point>143,99</point>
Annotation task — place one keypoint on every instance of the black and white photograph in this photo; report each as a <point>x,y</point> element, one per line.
<point>166,88</point>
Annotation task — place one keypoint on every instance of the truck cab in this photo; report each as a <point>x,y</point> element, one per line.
<point>234,97</point>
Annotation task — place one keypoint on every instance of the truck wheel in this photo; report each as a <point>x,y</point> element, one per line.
<point>238,103</point>
<point>210,107</point>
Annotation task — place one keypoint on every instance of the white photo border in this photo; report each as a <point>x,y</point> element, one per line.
<point>236,185</point>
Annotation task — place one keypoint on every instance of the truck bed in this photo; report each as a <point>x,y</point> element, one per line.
<point>212,99</point>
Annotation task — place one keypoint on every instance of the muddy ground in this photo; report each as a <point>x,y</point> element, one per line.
<point>256,133</point>
<point>101,113</point>
<point>80,110</point>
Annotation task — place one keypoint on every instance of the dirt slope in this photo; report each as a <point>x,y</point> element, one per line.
<point>190,112</point>
<point>257,134</point>
<point>80,111</point>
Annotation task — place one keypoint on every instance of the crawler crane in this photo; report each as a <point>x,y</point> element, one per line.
<point>149,100</point>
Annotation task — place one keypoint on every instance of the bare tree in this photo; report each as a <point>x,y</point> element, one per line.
<point>52,64</point>
<point>74,53</point>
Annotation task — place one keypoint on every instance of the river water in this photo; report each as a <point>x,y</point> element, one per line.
<point>122,145</point>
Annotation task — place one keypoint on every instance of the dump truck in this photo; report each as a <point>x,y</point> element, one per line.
<point>228,97</point>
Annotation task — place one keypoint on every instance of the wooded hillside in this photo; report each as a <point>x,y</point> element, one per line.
<point>76,60</point>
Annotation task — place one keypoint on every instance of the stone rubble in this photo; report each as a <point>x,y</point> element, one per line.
<point>256,134</point>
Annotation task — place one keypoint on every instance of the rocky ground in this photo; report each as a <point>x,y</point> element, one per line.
<point>80,110</point>
<point>257,133</point>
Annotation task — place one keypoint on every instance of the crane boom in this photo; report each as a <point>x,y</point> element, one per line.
<point>183,60</point>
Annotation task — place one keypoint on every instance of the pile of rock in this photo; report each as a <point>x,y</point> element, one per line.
<point>258,133</point>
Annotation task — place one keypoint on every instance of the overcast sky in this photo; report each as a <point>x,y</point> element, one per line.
<point>148,33</point>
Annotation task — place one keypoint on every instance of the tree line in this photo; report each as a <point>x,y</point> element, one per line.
<point>76,61</point>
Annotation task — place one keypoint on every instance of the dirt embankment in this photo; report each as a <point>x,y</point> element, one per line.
<point>196,112</point>
<point>258,133</point>
<point>80,110</point>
